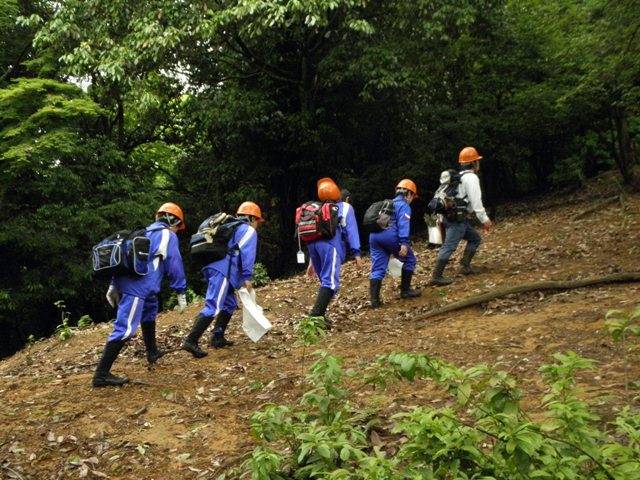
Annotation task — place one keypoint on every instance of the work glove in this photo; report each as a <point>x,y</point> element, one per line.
<point>113,297</point>
<point>182,302</point>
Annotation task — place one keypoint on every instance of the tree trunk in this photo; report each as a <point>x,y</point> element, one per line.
<point>628,157</point>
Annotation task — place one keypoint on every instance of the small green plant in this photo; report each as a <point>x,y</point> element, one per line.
<point>85,321</point>
<point>620,325</point>
<point>260,275</point>
<point>64,331</point>
<point>311,330</point>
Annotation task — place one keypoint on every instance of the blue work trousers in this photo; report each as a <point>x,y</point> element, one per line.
<point>220,295</point>
<point>131,311</point>
<point>455,232</point>
<point>382,245</point>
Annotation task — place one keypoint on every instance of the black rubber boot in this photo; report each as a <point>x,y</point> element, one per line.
<point>149,337</point>
<point>465,263</point>
<point>217,338</point>
<point>437,278</point>
<point>405,286</point>
<point>319,309</point>
<point>103,377</point>
<point>190,344</point>
<point>374,292</point>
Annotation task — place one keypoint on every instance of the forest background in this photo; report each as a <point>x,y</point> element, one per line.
<point>108,109</point>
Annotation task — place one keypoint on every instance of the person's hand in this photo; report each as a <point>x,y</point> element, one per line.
<point>182,302</point>
<point>358,262</point>
<point>487,226</point>
<point>113,297</point>
<point>248,285</point>
<point>403,251</point>
<point>311,272</point>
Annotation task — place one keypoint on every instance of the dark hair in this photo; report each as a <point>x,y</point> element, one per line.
<point>345,194</point>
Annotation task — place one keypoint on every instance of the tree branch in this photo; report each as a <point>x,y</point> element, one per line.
<point>622,277</point>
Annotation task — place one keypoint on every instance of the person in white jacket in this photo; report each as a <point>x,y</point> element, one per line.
<point>457,226</point>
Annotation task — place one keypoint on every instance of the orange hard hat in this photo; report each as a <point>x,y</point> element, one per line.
<point>328,190</point>
<point>174,210</point>
<point>468,155</point>
<point>250,208</point>
<point>408,185</point>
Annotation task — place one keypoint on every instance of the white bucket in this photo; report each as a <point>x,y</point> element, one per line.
<point>254,323</point>
<point>435,235</point>
<point>395,267</point>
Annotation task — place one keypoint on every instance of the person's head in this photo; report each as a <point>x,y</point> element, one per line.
<point>407,188</point>
<point>328,190</point>
<point>345,195</point>
<point>251,211</point>
<point>172,215</point>
<point>469,158</point>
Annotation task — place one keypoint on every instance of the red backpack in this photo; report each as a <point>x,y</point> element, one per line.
<point>316,220</point>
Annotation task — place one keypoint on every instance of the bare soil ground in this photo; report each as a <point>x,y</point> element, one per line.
<point>186,418</point>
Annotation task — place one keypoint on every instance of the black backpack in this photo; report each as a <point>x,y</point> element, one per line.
<point>445,200</point>
<point>377,216</point>
<point>211,242</point>
<point>125,252</point>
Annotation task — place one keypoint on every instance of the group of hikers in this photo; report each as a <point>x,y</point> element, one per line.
<point>136,297</point>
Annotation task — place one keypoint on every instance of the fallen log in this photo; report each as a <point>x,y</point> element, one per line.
<point>623,277</point>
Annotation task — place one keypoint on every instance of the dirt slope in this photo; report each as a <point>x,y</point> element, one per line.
<point>186,418</point>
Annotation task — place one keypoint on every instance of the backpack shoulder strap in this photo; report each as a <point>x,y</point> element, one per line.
<point>155,229</point>
<point>462,174</point>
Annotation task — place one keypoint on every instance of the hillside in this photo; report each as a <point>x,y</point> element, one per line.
<point>185,418</point>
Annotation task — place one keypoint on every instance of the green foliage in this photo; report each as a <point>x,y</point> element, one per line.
<point>64,188</point>
<point>311,331</point>
<point>171,301</point>
<point>85,321</point>
<point>620,325</point>
<point>260,275</point>
<point>64,330</point>
<point>482,433</point>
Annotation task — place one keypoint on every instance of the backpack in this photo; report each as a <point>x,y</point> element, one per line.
<point>125,252</point>
<point>211,242</point>
<point>315,220</point>
<point>377,216</point>
<point>445,200</point>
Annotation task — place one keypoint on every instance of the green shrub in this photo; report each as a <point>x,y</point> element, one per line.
<point>260,275</point>
<point>481,433</point>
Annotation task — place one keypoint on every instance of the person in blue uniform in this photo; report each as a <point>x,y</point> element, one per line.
<point>224,277</point>
<point>327,255</point>
<point>394,241</point>
<point>136,298</point>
